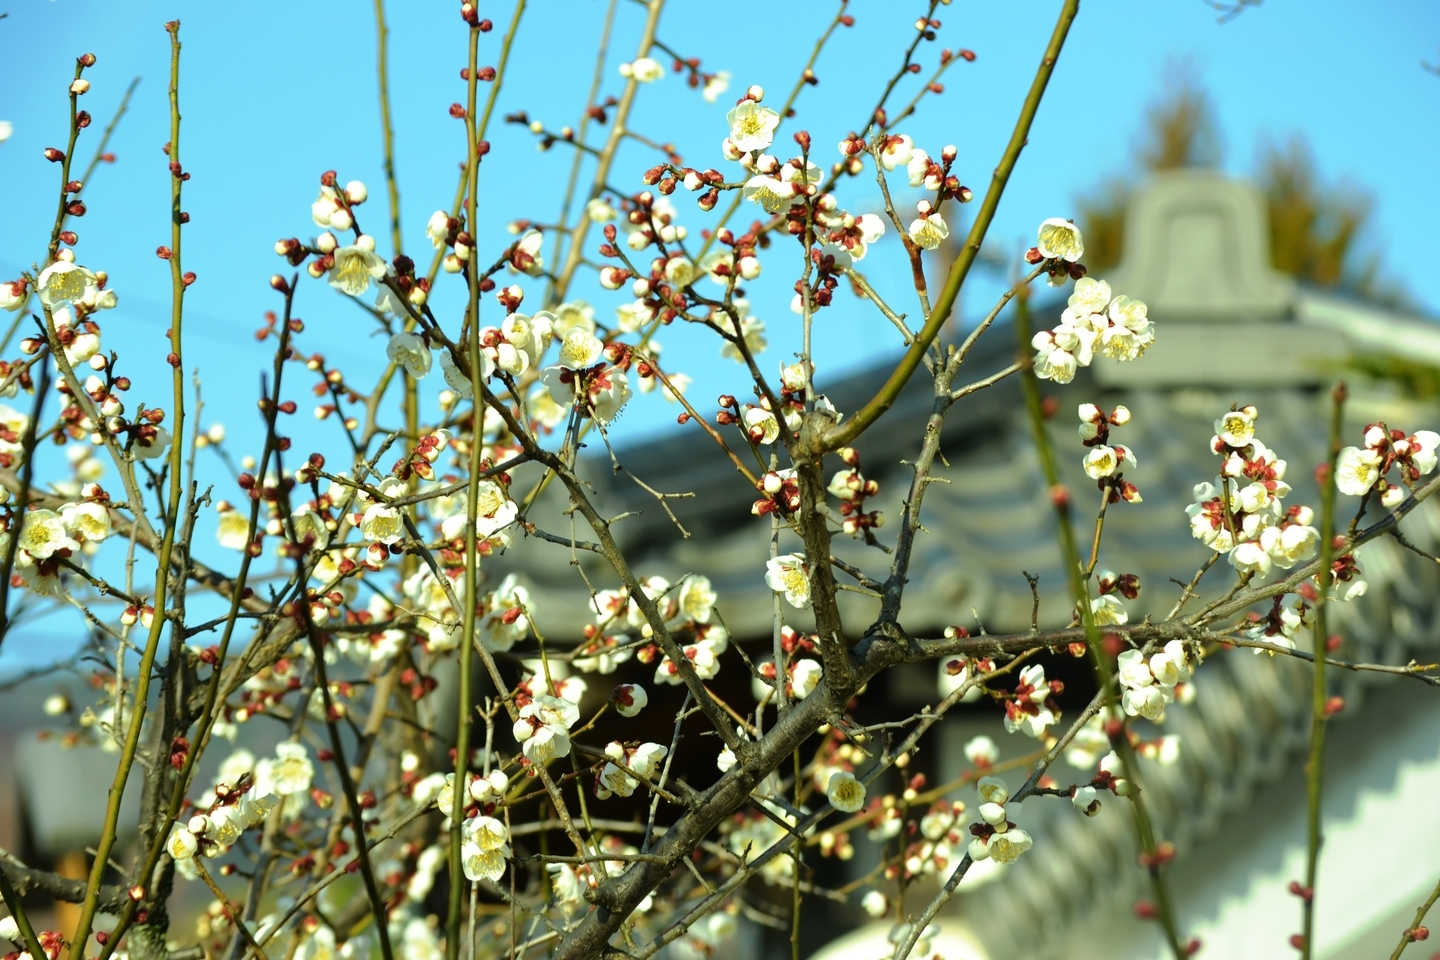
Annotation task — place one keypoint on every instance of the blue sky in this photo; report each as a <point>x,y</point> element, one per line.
<point>270,100</point>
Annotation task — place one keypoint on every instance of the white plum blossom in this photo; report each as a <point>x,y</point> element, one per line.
<point>1086,800</point>
<point>289,772</point>
<point>1423,450</point>
<point>630,699</point>
<point>457,380</point>
<point>580,349</point>
<point>703,657</point>
<point>1060,239</point>
<point>845,793</point>
<point>643,70</point>
<point>761,425</point>
<point>1128,333</point>
<point>410,351</point>
<point>716,84</point>
<point>1105,461</point>
<point>1107,610</point>
<point>44,533</point>
<point>382,523</point>
<point>752,330</point>
<point>786,574</point>
<point>994,837</point>
<point>771,193</point>
<point>697,598</point>
<point>182,844</point>
<point>151,445</point>
<point>1236,428</point>
<point>89,522</point>
<point>805,676</point>
<point>527,255</point>
<point>752,127</point>
<point>232,528</point>
<point>848,237</point>
<point>646,761</point>
<point>1092,321</point>
<point>543,728</point>
<point>1242,514</point>
<point>356,266</point>
<point>13,294</point>
<point>919,173</point>
<point>1170,666</point>
<point>1060,351</point>
<point>1028,712</point>
<point>485,850</point>
<point>1090,297</point>
<point>507,619</point>
<point>1150,687</point>
<point>438,228</point>
<point>605,389</point>
<point>896,152</point>
<point>65,282</point>
<point>929,232</point>
<point>327,212</point>
<point>1357,470</point>
<point>982,751</point>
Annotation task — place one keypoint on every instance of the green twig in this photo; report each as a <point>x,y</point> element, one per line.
<point>1408,937</point>
<point>171,518</point>
<point>1319,695</point>
<point>1060,497</point>
<point>387,131</point>
<point>851,428</point>
<point>17,911</point>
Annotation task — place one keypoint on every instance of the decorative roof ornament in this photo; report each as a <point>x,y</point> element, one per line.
<point>1197,250</point>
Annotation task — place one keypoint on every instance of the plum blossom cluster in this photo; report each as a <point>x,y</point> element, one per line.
<point>1107,608</point>
<point>995,836</point>
<point>72,297</point>
<point>245,793</point>
<point>48,539</point>
<point>485,848</point>
<point>1242,514</point>
<point>941,837</point>
<point>1362,470</point>
<point>851,488</point>
<point>750,834</point>
<point>686,608</point>
<point>513,350</point>
<point>628,767</point>
<point>1031,707</point>
<point>896,151</point>
<point>802,673</point>
<point>597,388</point>
<point>1093,323</point>
<point>1150,685</point>
<point>960,673</point>
<point>401,540</point>
<point>543,728</point>
<point>1106,463</point>
<point>1086,797</point>
<point>789,576</point>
